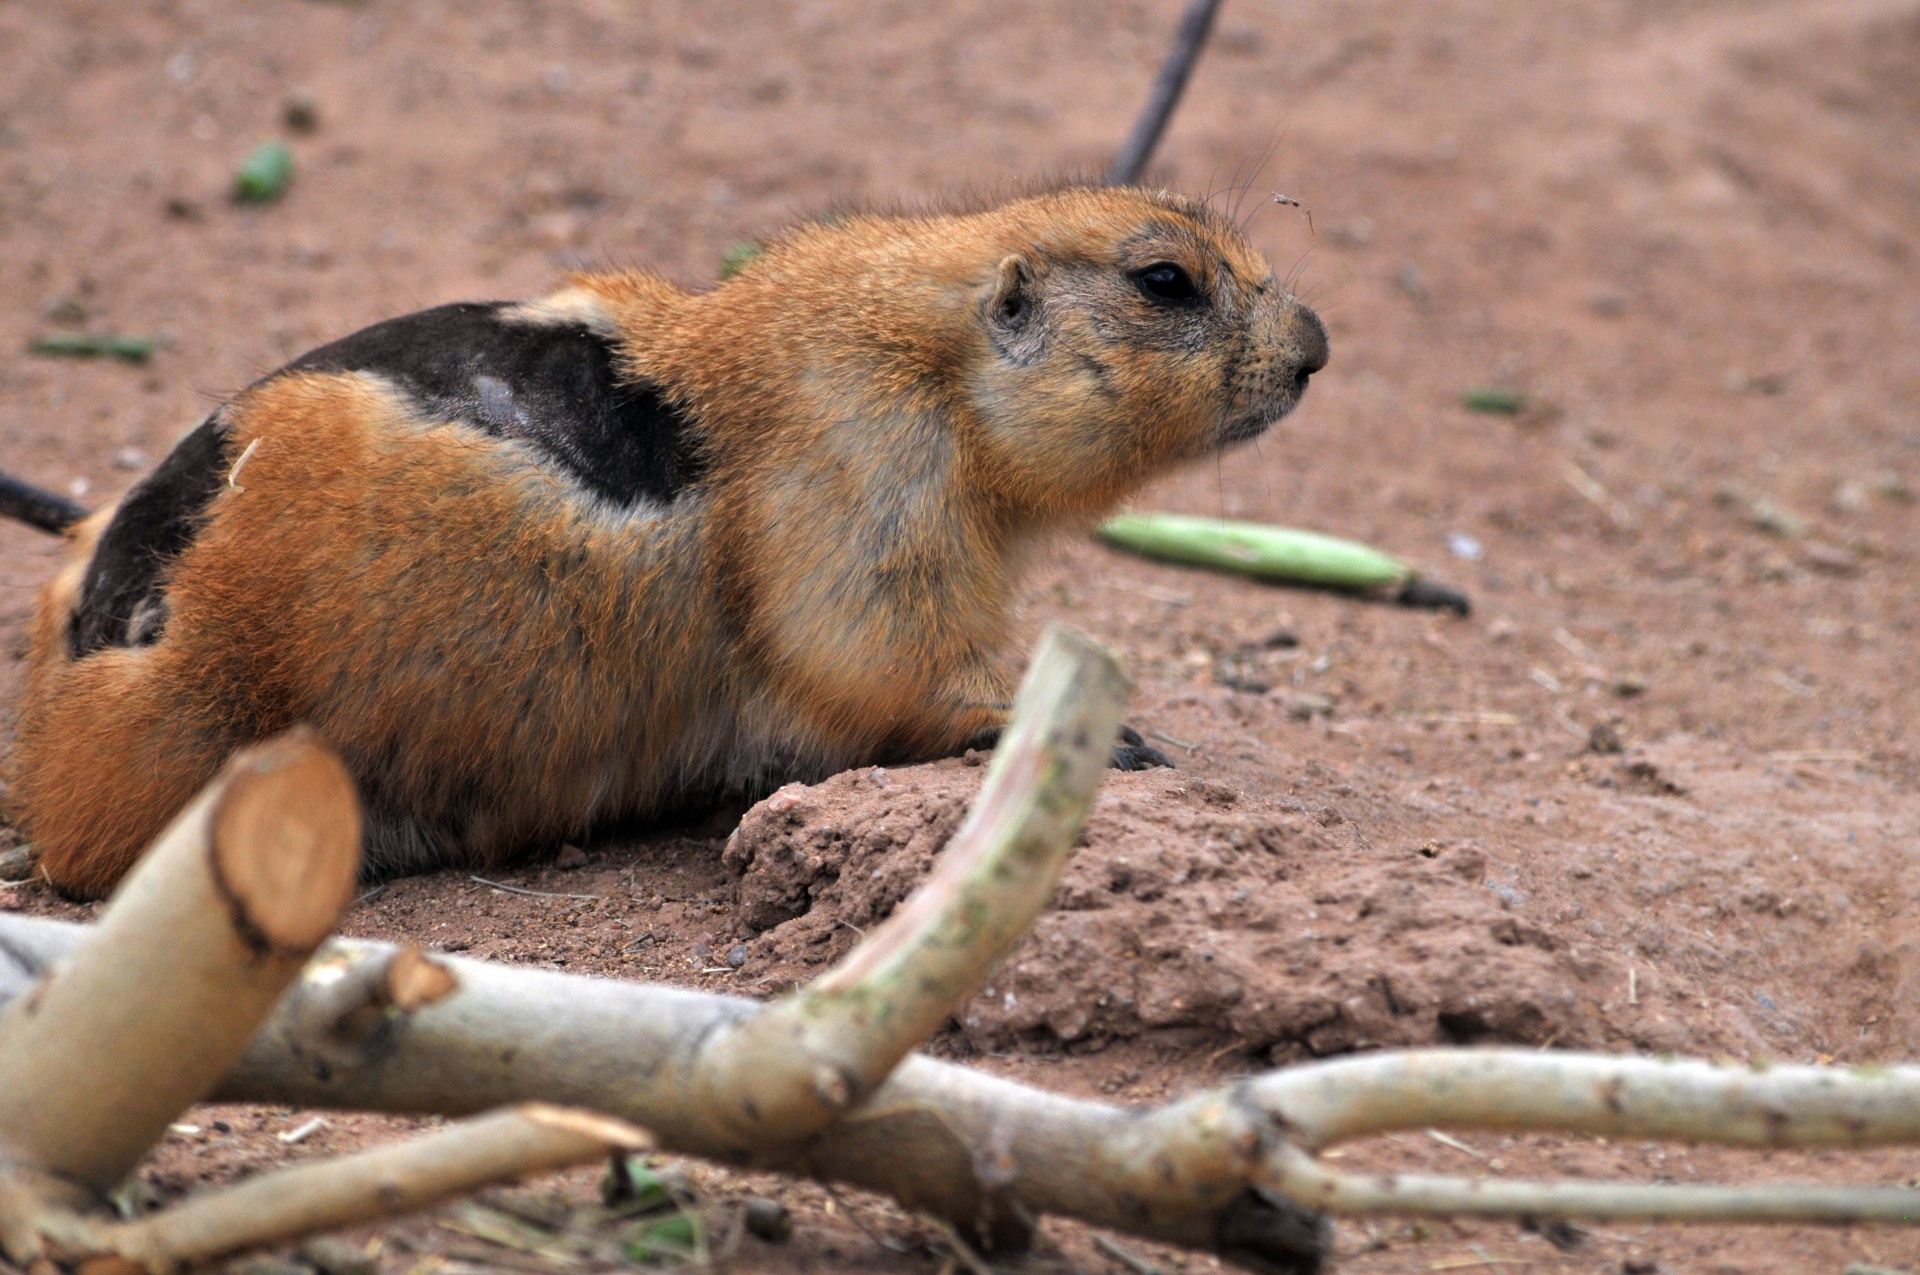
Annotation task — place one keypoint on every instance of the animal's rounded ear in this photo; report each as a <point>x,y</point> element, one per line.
<point>1011,305</point>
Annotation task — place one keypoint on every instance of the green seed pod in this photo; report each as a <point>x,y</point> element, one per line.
<point>1256,549</point>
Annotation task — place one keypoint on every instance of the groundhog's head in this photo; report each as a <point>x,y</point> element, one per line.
<point>1059,350</point>
<point>1122,332</point>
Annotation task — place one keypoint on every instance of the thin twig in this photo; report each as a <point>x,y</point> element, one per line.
<point>533,894</point>
<point>294,1137</point>
<point>233,475</point>
<point>1447,1140</point>
<point>1195,25</point>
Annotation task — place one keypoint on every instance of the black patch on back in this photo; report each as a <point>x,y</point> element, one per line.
<point>554,386</point>
<point>123,596</point>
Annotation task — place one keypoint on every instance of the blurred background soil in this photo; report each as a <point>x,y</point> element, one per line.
<point>1657,793</point>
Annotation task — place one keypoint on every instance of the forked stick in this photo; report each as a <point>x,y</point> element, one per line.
<point>798,1064</point>
<point>762,1084</point>
<point>1595,1094</point>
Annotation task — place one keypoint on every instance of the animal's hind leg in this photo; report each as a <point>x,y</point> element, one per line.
<point>101,765</point>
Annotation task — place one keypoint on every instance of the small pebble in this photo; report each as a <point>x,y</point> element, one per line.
<point>1605,738</point>
<point>1849,497</point>
<point>68,312</point>
<point>1832,559</point>
<point>1891,486</point>
<point>1775,521</point>
<point>1607,302</point>
<point>769,1220</point>
<point>1281,640</point>
<point>300,113</point>
<point>1236,677</point>
<point>571,857</point>
<point>129,458</point>
<point>1306,706</point>
<point>737,957</point>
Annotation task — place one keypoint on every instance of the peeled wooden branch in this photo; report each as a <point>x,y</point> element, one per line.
<point>1231,1170</point>
<point>798,1064</point>
<point>102,1051</point>
<point>987,1152</point>
<point>189,958</point>
<point>1299,1176</point>
<point>1594,1094</point>
<point>500,1147</point>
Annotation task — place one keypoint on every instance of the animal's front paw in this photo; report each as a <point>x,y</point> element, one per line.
<point>1135,753</point>
<point>986,739</point>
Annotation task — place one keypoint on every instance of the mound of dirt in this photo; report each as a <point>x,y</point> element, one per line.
<point>1191,906</point>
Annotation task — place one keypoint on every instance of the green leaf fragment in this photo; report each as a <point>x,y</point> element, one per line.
<point>93,345</point>
<point>634,1185</point>
<point>265,175</point>
<point>735,259</point>
<point>680,1238</point>
<point>1494,402</point>
<point>1256,549</point>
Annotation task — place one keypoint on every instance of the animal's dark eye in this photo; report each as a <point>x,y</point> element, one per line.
<point>1166,282</point>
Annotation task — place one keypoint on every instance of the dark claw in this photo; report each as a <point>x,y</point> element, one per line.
<point>986,739</point>
<point>1127,757</point>
<point>1134,753</point>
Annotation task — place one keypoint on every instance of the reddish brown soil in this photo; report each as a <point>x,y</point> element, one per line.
<point>1684,231</point>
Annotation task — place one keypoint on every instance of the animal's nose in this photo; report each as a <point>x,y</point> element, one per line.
<point>1309,336</point>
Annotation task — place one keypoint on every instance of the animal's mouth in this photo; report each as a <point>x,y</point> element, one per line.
<point>1261,416</point>
<point>1277,390</point>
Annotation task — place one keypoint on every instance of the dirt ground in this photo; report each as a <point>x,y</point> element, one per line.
<point>1658,793</point>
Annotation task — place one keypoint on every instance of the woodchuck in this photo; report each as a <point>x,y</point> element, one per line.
<point>536,568</point>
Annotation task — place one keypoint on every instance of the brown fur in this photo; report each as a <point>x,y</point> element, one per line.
<point>504,663</point>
